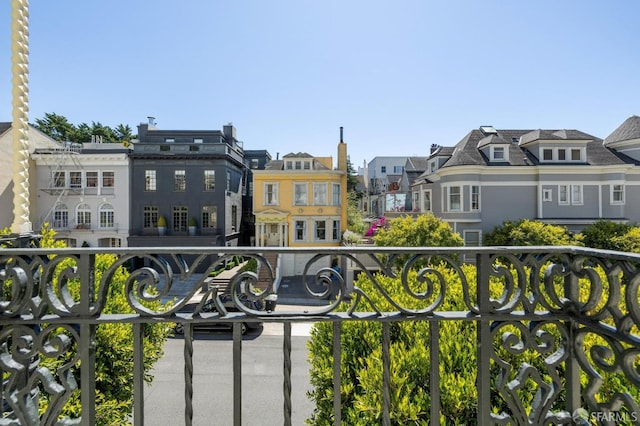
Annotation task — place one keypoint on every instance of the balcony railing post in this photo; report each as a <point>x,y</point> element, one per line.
<point>87,344</point>
<point>572,367</point>
<point>485,345</point>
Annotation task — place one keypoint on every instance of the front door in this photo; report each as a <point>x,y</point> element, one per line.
<point>273,235</point>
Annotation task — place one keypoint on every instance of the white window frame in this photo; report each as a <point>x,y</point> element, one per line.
<point>494,150</point>
<point>450,194</point>
<point>426,197</point>
<point>476,207</point>
<point>298,199</point>
<point>336,194</point>
<point>617,188</point>
<point>547,195</point>
<point>75,179</point>
<point>316,229</point>
<point>150,180</point>
<point>209,180</point>
<point>577,195</point>
<point>106,216</point>
<point>320,195</point>
<point>296,222</point>
<point>573,195</point>
<point>180,180</point>
<point>273,186</point>
<point>83,216</point>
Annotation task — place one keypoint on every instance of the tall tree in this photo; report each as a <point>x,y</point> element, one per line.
<point>123,132</point>
<point>56,126</point>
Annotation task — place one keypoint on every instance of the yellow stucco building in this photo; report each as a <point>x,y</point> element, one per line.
<point>301,200</point>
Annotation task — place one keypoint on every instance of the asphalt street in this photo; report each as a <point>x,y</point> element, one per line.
<point>262,373</point>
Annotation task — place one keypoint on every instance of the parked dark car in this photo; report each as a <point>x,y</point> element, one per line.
<point>210,306</point>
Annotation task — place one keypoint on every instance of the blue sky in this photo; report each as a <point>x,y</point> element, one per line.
<point>398,75</point>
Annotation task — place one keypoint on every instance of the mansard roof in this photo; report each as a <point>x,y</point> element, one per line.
<point>466,152</point>
<point>628,130</point>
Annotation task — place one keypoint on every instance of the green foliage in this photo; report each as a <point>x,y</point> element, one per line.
<point>527,232</point>
<point>114,345</point>
<point>355,220</point>
<point>361,367</point>
<point>599,234</point>
<point>59,128</point>
<point>629,241</point>
<point>425,231</point>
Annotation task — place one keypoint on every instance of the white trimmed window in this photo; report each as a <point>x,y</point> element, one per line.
<point>426,201</point>
<point>475,197</point>
<point>336,194</point>
<point>270,194</point>
<point>570,194</point>
<point>61,216</point>
<point>320,194</point>
<point>106,214</point>
<point>209,180</point>
<point>454,199</point>
<point>617,194</point>
<point>179,180</point>
<point>150,180</point>
<point>547,195</point>
<point>300,196</point>
<point>499,153</point>
<point>83,216</point>
<point>300,230</point>
<point>320,230</point>
<point>335,231</point>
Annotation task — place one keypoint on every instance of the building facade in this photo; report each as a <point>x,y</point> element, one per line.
<point>193,181</point>
<point>301,200</point>
<point>83,193</point>
<point>564,177</point>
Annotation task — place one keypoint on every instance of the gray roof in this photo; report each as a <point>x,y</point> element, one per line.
<point>4,126</point>
<point>297,155</point>
<point>628,130</point>
<point>466,152</point>
<point>492,140</point>
<point>417,163</point>
<point>279,164</point>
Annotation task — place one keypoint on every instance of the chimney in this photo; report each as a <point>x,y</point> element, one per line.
<point>342,153</point>
<point>151,121</point>
<point>434,148</point>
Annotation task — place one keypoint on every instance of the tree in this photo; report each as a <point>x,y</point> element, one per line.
<point>352,179</point>
<point>123,132</point>
<point>425,231</point>
<point>355,219</point>
<point>56,126</point>
<point>527,232</point>
<point>601,234</point>
<point>59,128</point>
<point>629,241</point>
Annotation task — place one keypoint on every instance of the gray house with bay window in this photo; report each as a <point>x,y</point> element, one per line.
<point>564,177</point>
<point>193,180</point>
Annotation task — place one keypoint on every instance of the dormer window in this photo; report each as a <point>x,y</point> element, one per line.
<point>498,153</point>
<point>568,155</point>
<point>298,165</point>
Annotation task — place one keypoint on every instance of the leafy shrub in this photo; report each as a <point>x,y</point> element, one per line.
<point>361,366</point>
<point>527,232</point>
<point>600,234</point>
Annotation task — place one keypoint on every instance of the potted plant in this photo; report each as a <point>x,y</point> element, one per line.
<point>162,225</point>
<point>193,225</point>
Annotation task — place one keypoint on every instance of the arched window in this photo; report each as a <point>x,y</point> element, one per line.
<point>106,214</point>
<point>60,216</point>
<point>83,216</point>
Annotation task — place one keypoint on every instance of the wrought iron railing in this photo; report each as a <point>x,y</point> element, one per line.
<point>512,295</point>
